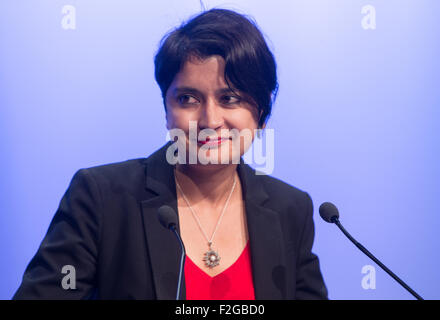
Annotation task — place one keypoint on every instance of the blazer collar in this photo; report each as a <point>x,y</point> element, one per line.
<point>267,247</point>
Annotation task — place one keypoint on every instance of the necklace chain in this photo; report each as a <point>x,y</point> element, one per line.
<point>196,217</point>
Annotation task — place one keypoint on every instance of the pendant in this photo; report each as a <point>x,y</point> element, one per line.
<point>211,258</point>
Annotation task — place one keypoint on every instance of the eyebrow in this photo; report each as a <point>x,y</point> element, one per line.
<point>196,91</point>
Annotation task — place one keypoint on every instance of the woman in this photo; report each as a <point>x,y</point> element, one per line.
<point>246,236</point>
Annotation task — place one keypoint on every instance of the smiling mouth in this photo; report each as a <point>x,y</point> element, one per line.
<point>213,142</point>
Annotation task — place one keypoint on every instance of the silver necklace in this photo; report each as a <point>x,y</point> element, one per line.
<point>211,257</point>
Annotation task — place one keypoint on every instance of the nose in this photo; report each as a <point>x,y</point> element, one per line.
<point>211,116</point>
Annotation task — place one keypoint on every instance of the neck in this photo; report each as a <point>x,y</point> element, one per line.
<point>206,183</point>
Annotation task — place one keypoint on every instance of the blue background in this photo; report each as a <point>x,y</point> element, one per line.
<point>357,120</point>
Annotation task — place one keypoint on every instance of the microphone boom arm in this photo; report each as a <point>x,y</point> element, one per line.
<point>182,260</point>
<point>370,255</point>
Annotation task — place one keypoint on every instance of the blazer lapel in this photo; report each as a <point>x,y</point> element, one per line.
<point>265,236</point>
<point>267,248</point>
<point>164,249</point>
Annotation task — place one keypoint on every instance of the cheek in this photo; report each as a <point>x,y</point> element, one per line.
<point>176,120</point>
<point>245,117</point>
<point>170,121</point>
<point>245,121</point>
<point>173,116</point>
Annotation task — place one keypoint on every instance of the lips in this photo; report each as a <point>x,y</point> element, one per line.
<point>216,141</point>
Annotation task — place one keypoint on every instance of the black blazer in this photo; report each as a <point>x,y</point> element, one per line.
<point>106,227</point>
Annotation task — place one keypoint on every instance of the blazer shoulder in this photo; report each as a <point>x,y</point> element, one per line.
<point>129,170</point>
<point>291,202</point>
<point>118,177</point>
<point>117,169</point>
<point>280,190</point>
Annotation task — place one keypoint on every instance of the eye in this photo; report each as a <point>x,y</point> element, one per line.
<point>230,99</point>
<point>187,99</point>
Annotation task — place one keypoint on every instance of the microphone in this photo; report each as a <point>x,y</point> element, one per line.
<point>330,214</point>
<point>168,219</point>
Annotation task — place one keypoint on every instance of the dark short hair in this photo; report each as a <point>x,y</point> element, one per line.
<point>249,64</point>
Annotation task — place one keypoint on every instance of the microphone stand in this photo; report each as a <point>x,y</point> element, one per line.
<point>335,220</point>
<point>182,260</point>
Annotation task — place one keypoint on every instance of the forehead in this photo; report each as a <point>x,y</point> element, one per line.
<point>198,72</point>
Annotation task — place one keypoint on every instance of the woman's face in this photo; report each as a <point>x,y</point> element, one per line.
<point>199,93</point>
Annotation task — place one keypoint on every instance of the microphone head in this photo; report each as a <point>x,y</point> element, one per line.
<point>328,212</point>
<point>167,216</point>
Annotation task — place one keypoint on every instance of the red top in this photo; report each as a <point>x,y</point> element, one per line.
<point>234,283</point>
